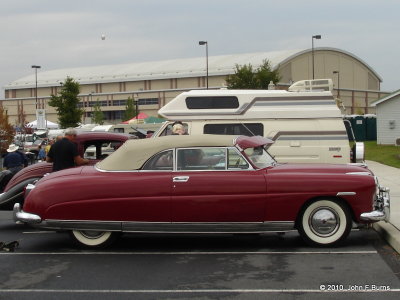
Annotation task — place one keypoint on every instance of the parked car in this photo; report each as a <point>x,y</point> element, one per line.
<point>34,147</point>
<point>89,145</point>
<point>204,184</point>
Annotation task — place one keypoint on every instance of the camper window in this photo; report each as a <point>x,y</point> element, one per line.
<point>168,129</point>
<point>213,102</point>
<point>248,129</point>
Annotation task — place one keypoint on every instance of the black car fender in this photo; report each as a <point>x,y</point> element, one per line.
<point>15,191</point>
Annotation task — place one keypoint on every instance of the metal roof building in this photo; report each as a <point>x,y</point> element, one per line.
<point>155,83</point>
<point>388,119</point>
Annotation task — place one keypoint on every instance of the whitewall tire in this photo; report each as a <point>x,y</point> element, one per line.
<point>324,222</point>
<point>93,239</point>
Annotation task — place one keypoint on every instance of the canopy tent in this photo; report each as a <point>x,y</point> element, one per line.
<point>50,124</point>
<point>153,120</point>
<point>137,119</point>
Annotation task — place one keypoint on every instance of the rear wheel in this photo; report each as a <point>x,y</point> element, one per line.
<point>324,222</point>
<point>93,239</point>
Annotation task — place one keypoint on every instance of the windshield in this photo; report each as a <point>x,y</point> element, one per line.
<point>157,133</point>
<point>28,138</point>
<point>260,157</point>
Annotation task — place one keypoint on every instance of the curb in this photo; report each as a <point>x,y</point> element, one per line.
<point>390,233</point>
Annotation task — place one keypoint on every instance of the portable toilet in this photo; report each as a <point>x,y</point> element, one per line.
<point>358,125</point>
<point>370,126</point>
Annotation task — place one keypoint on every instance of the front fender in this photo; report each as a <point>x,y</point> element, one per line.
<point>15,192</point>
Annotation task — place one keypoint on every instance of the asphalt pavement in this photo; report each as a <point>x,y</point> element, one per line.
<point>389,177</point>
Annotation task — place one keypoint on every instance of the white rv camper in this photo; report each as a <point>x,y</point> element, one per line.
<point>306,126</point>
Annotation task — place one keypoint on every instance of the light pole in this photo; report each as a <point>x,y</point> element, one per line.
<point>136,102</point>
<point>36,67</point>
<point>89,102</point>
<point>205,43</point>
<point>317,37</point>
<point>338,83</point>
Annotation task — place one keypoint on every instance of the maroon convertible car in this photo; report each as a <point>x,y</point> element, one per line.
<point>204,184</point>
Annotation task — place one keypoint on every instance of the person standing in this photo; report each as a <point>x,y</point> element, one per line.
<point>64,153</point>
<point>14,160</point>
<point>48,146</point>
<point>41,153</point>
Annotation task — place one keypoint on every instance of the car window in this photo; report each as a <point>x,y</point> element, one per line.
<point>100,149</point>
<point>236,160</point>
<point>207,158</point>
<point>168,129</point>
<point>163,161</point>
<point>260,157</point>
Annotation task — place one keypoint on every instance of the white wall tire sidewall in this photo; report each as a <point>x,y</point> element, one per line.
<point>337,235</point>
<point>91,242</point>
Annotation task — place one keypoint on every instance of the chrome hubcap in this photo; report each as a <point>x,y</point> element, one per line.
<point>91,234</point>
<point>324,221</point>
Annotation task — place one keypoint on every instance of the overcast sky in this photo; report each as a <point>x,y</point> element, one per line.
<point>61,34</point>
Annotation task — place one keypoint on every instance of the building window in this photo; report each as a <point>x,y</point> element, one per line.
<point>102,103</point>
<point>120,102</point>
<point>119,114</point>
<point>148,101</point>
<point>212,102</point>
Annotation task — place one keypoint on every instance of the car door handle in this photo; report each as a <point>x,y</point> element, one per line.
<point>180,179</point>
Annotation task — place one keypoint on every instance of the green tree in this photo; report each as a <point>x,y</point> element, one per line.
<point>66,104</point>
<point>6,131</point>
<point>246,77</point>
<point>130,110</point>
<point>97,116</point>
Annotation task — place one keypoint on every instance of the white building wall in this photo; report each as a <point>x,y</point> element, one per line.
<point>388,121</point>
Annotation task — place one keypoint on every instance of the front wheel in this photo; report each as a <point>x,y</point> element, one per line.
<point>324,222</point>
<point>93,239</point>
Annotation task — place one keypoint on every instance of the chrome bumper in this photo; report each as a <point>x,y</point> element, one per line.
<point>381,210</point>
<point>21,216</point>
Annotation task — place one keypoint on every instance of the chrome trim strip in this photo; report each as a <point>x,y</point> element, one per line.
<point>207,227</point>
<point>346,194</point>
<point>359,173</point>
<point>358,164</point>
<point>83,225</point>
<point>175,170</point>
<point>168,227</point>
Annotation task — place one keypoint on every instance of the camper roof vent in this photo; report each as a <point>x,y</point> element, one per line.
<point>312,85</point>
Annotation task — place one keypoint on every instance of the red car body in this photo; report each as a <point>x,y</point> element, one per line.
<point>220,197</point>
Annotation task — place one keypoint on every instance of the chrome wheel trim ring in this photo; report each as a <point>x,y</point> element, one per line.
<point>91,234</point>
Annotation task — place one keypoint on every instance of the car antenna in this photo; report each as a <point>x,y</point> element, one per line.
<point>248,129</point>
